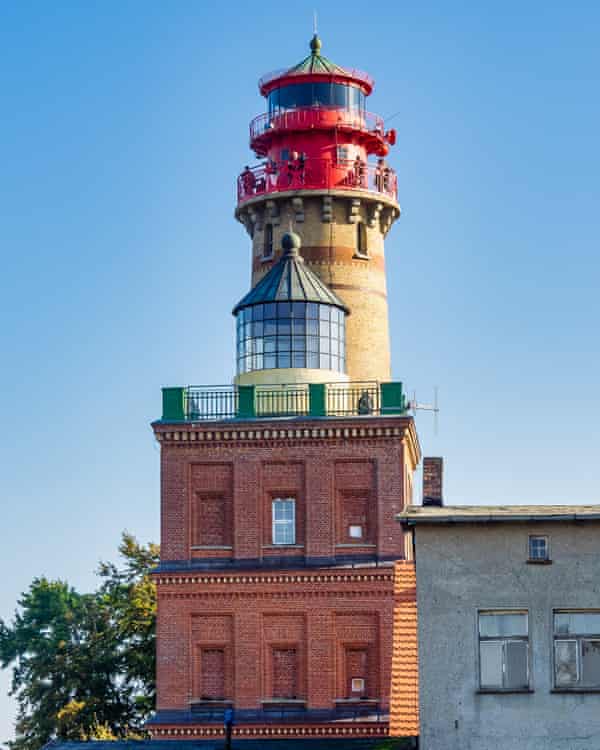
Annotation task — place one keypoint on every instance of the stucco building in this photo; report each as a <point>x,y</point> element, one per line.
<point>508,603</point>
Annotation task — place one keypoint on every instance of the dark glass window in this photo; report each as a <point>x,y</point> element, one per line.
<point>288,334</point>
<point>317,94</point>
<point>268,244</point>
<point>361,239</point>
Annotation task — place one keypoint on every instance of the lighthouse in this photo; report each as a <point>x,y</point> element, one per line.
<point>279,491</point>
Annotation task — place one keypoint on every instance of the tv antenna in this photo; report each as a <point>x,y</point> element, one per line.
<point>315,22</point>
<point>416,406</point>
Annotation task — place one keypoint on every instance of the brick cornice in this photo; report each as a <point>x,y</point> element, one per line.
<point>262,579</point>
<point>356,729</point>
<point>288,431</point>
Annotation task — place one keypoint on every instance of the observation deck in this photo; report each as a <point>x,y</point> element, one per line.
<point>317,174</point>
<point>231,402</point>
<point>367,126</point>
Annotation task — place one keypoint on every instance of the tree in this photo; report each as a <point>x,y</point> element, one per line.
<point>83,664</point>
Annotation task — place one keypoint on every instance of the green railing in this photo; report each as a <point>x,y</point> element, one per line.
<point>200,403</point>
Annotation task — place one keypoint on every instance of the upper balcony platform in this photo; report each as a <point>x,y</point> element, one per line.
<point>367,126</point>
<point>230,402</point>
<point>317,174</point>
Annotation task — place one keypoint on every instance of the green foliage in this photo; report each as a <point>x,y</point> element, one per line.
<point>83,664</point>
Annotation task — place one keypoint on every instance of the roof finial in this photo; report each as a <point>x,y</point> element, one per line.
<point>315,42</point>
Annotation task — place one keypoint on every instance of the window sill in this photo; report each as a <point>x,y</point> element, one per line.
<point>210,702</point>
<point>356,700</point>
<point>361,256</point>
<point>575,690</point>
<point>356,544</point>
<point>283,546</point>
<point>267,258</point>
<point>503,691</point>
<point>283,701</point>
<point>539,562</point>
<point>210,546</point>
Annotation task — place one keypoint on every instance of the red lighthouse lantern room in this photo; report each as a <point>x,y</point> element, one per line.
<point>317,132</point>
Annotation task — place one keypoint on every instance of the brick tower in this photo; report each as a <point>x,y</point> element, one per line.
<point>278,493</point>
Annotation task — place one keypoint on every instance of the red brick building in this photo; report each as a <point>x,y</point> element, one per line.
<point>279,493</point>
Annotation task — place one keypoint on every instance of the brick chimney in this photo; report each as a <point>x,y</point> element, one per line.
<point>433,470</point>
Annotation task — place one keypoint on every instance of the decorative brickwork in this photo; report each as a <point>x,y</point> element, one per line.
<point>404,712</point>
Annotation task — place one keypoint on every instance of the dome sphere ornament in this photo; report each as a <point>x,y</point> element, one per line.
<point>291,243</point>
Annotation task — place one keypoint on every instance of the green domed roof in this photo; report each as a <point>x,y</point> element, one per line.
<point>316,62</point>
<point>290,280</point>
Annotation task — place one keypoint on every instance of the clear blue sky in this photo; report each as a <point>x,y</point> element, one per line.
<point>123,127</point>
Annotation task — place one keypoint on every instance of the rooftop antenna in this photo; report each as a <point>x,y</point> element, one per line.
<point>415,406</point>
<point>315,22</point>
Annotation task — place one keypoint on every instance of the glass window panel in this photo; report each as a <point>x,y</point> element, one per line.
<point>298,359</point>
<point>284,343</point>
<point>270,327</point>
<point>517,671</point>
<point>577,623</point>
<point>299,326</point>
<point>312,327</point>
<point>324,329</point>
<point>299,343</point>
<point>298,309</point>
<point>590,663</point>
<point>270,361</point>
<point>490,662</point>
<point>258,361</point>
<point>565,663</point>
<point>312,310</point>
<point>257,328</point>
<point>324,345</point>
<point>324,312</point>
<point>339,95</point>
<point>313,343</point>
<point>257,312</point>
<point>312,360</point>
<point>321,94</point>
<point>334,330</point>
<point>270,344</point>
<point>284,309</point>
<point>284,325</point>
<point>494,624</point>
<point>335,363</point>
<point>538,548</point>
<point>284,360</point>
<point>270,310</point>
<point>324,361</point>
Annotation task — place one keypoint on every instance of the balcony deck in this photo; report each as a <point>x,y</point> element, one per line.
<point>219,403</point>
<point>317,174</point>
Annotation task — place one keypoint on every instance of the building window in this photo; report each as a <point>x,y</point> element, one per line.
<point>539,549</point>
<point>503,651</point>
<point>357,669</point>
<point>284,521</point>
<point>342,154</point>
<point>361,240</point>
<point>285,673</point>
<point>355,532</point>
<point>577,649</point>
<point>268,241</point>
<point>291,334</point>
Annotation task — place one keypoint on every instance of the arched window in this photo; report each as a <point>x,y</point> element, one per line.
<point>268,241</point>
<point>361,239</point>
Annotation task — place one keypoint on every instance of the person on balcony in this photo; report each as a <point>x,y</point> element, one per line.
<point>379,175</point>
<point>360,170</point>
<point>271,173</point>
<point>300,166</point>
<point>248,181</point>
<point>291,167</point>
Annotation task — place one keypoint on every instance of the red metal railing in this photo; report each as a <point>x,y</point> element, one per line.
<point>355,73</point>
<point>312,174</point>
<point>306,118</point>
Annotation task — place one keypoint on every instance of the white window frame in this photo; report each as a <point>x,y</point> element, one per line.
<point>503,640</point>
<point>284,527</point>
<point>546,539</point>
<point>578,638</point>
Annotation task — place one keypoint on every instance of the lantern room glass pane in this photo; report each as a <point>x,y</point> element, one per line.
<point>283,341</point>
